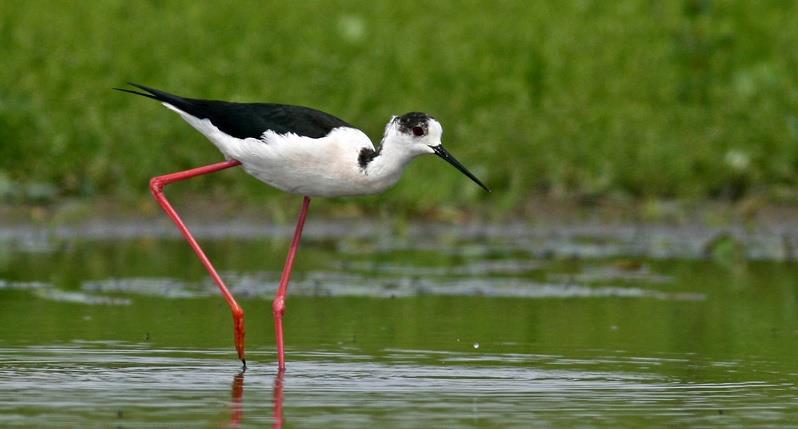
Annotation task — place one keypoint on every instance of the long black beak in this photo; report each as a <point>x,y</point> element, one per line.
<point>441,152</point>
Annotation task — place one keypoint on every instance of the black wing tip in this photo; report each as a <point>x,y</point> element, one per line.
<point>153,93</point>
<point>142,87</point>
<point>130,91</point>
<point>149,91</point>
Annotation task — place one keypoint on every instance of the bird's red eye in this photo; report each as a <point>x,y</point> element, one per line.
<point>418,131</point>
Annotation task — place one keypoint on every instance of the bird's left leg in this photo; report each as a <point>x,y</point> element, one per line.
<point>156,186</point>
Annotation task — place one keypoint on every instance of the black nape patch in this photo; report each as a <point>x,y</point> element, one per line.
<point>367,155</point>
<point>408,121</point>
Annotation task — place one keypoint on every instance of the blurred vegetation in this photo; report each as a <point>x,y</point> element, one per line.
<point>579,99</point>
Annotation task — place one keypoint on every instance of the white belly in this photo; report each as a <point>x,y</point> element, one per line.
<point>325,167</point>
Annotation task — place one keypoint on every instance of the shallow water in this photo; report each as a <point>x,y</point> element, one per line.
<point>430,331</point>
<point>86,384</point>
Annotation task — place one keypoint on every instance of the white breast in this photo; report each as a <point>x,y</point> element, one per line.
<point>326,166</point>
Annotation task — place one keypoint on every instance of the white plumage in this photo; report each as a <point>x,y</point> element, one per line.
<point>326,166</point>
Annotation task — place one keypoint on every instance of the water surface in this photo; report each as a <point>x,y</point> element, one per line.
<point>483,330</point>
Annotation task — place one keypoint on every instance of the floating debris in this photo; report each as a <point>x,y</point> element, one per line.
<point>80,298</point>
<point>321,283</point>
<point>612,273</point>
<point>163,287</point>
<point>7,284</point>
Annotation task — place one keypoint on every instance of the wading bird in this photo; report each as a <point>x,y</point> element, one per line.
<point>298,150</point>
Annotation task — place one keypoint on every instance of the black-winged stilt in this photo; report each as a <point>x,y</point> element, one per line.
<point>299,150</point>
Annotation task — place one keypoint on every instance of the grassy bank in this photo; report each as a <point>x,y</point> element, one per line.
<point>627,100</point>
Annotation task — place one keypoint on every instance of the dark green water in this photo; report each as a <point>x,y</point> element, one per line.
<point>426,332</point>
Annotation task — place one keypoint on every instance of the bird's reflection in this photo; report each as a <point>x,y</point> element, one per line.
<point>237,397</point>
<point>277,395</point>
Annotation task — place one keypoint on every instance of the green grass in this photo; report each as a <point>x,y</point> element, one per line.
<point>570,99</point>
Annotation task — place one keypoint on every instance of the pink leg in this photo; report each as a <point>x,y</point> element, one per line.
<point>278,306</point>
<point>156,186</point>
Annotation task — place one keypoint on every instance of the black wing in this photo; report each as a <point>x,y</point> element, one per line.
<point>242,120</point>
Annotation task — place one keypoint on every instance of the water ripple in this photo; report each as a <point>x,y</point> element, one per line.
<point>91,384</point>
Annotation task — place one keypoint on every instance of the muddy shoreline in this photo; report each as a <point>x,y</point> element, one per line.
<point>559,231</point>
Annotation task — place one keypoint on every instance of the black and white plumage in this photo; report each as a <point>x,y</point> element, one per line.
<point>306,151</point>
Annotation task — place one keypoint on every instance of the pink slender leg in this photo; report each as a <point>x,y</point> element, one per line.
<point>156,186</point>
<point>278,306</point>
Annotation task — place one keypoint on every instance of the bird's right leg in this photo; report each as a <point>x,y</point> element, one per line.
<point>278,305</point>
<point>156,186</point>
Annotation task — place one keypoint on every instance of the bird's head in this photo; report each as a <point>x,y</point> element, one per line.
<point>418,134</point>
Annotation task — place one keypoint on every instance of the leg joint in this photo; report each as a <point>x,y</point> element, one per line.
<point>157,184</point>
<point>278,306</point>
<point>238,313</point>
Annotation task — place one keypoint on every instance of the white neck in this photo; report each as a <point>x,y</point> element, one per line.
<point>386,168</point>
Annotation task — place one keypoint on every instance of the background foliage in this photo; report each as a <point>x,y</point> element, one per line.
<point>569,99</point>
